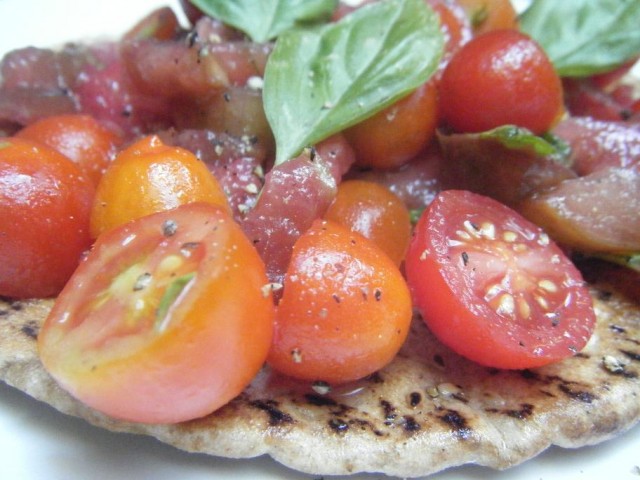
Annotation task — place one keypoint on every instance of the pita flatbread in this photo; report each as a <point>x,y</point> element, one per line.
<point>428,410</point>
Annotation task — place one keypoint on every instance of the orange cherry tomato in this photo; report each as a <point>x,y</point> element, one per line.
<point>166,320</point>
<point>398,133</point>
<point>487,15</point>
<point>150,177</point>
<point>80,137</point>
<point>375,212</point>
<point>45,203</point>
<point>345,310</point>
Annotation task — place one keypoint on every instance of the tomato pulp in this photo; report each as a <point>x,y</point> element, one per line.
<point>493,287</point>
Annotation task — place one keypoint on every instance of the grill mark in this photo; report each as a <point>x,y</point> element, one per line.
<point>276,416</point>
<point>31,330</point>
<point>457,423</point>
<point>580,395</point>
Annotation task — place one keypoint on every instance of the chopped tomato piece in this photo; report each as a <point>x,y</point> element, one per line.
<point>345,311</point>
<point>166,320</point>
<point>493,287</point>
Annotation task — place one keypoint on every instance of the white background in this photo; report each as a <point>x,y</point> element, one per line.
<point>39,443</point>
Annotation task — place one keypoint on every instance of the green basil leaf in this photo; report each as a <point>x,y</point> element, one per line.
<point>320,81</point>
<point>264,20</point>
<point>517,138</point>
<point>584,37</point>
<point>170,295</point>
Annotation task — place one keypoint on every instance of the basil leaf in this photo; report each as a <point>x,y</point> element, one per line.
<point>318,82</point>
<point>170,295</point>
<point>264,20</point>
<point>517,138</point>
<point>584,37</point>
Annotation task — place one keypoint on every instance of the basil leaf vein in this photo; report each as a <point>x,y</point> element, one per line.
<point>264,20</point>
<point>584,37</point>
<point>323,80</point>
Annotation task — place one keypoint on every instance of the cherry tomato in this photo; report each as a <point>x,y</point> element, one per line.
<point>45,203</point>
<point>493,287</point>
<point>376,213</point>
<point>398,133</point>
<point>454,25</point>
<point>499,78</point>
<point>149,177</point>
<point>166,320</point>
<point>487,15</point>
<point>345,310</point>
<point>79,137</point>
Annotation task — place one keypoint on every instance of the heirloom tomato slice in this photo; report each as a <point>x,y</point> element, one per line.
<point>493,287</point>
<point>166,320</point>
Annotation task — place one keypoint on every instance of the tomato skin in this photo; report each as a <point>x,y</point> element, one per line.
<point>45,203</point>
<point>500,78</point>
<point>345,310</point>
<point>79,137</point>
<point>488,15</point>
<point>376,213</point>
<point>500,293</point>
<point>150,177</point>
<point>395,135</point>
<point>103,343</point>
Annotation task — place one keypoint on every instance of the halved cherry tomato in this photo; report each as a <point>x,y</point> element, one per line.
<point>150,177</point>
<point>487,15</point>
<point>398,133</point>
<point>166,320</point>
<point>45,203</point>
<point>376,213</point>
<point>500,78</point>
<point>345,310</point>
<point>79,137</point>
<point>493,287</point>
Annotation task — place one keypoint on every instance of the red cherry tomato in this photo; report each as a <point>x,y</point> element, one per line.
<point>398,133</point>
<point>376,213</point>
<point>499,78</point>
<point>79,137</point>
<point>45,203</point>
<point>345,310</point>
<point>166,320</point>
<point>149,177</point>
<point>493,287</point>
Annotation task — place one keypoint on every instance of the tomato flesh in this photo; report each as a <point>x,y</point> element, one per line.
<point>493,287</point>
<point>166,320</point>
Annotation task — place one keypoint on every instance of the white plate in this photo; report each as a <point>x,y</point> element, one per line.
<point>37,442</point>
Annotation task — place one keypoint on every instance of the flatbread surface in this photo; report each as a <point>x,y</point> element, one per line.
<point>428,410</point>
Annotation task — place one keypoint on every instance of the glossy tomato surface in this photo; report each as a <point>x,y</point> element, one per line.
<point>500,78</point>
<point>149,177</point>
<point>45,203</point>
<point>493,287</point>
<point>166,320</point>
<point>398,133</point>
<point>345,310</point>
<point>372,210</point>
<point>80,137</point>
<point>488,15</point>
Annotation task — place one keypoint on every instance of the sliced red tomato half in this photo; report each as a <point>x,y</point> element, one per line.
<point>166,320</point>
<point>493,287</point>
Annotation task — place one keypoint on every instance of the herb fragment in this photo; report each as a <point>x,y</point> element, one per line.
<point>172,292</point>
